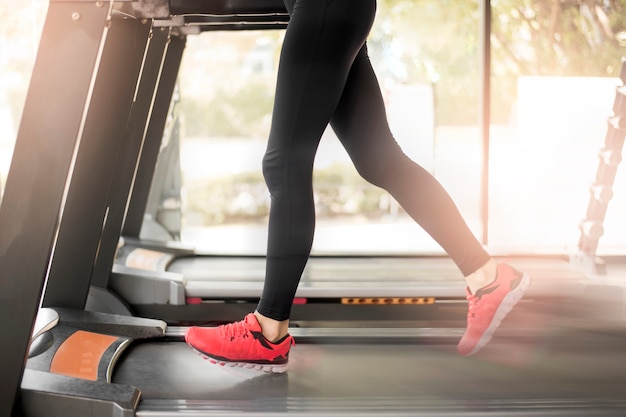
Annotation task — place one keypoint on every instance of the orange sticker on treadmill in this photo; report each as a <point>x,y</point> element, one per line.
<point>79,356</point>
<point>145,259</point>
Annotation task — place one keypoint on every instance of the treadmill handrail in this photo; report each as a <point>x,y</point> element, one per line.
<point>227,7</point>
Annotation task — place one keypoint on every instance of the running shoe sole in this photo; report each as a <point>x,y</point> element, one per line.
<point>264,367</point>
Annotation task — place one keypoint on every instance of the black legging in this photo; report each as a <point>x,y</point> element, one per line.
<point>325,76</point>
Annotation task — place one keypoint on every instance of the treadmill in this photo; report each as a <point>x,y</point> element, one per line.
<point>94,114</point>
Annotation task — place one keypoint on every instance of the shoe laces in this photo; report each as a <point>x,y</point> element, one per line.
<point>238,329</point>
<point>471,306</point>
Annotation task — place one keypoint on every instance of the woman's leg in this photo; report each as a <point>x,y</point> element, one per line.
<point>321,41</point>
<point>325,73</point>
<point>361,124</point>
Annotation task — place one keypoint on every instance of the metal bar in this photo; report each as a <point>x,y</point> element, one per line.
<point>484,121</point>
<point>130,150</point>
<point>148,9</point>
<point>382,407</point>
<point>68,56</point>
<point>183,7</point>
<point>86,211</point>
<point>352,334</point>
<point>154,136</point>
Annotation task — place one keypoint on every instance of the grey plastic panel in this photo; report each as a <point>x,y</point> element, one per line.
<point>138,286</point>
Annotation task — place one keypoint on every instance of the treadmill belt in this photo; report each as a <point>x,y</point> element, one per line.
<point>573,374</point>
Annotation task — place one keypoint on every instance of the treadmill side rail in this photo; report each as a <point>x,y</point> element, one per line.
<point>72,374</point>
<point>139,286</point>
<point>51,395</point>
<point>132,327</point>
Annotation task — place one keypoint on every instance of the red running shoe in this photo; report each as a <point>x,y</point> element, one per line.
<point>490,305</point>
<point>240,344</point>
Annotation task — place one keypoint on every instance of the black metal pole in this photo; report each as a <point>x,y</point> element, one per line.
<point>484,117</point>
<point>49,135</point>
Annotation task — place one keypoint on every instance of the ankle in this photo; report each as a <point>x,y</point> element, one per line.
<point>483,276</point>
<point>273,330</point>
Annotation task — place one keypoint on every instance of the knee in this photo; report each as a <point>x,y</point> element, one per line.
<point>376,164</point>
<point>271,169</point>
<point>374,172</point>
<point>282,170</point>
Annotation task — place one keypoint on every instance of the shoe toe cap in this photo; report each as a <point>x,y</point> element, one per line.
<point>193,336</point>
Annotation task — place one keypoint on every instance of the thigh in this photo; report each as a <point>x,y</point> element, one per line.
<point>322,40</point>
<point>360,119</point>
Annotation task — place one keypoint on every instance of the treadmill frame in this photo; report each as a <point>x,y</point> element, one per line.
<point>85,118</point>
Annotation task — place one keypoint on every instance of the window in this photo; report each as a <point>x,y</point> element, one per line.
<point>430,85</point>
<point>550,98</point>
